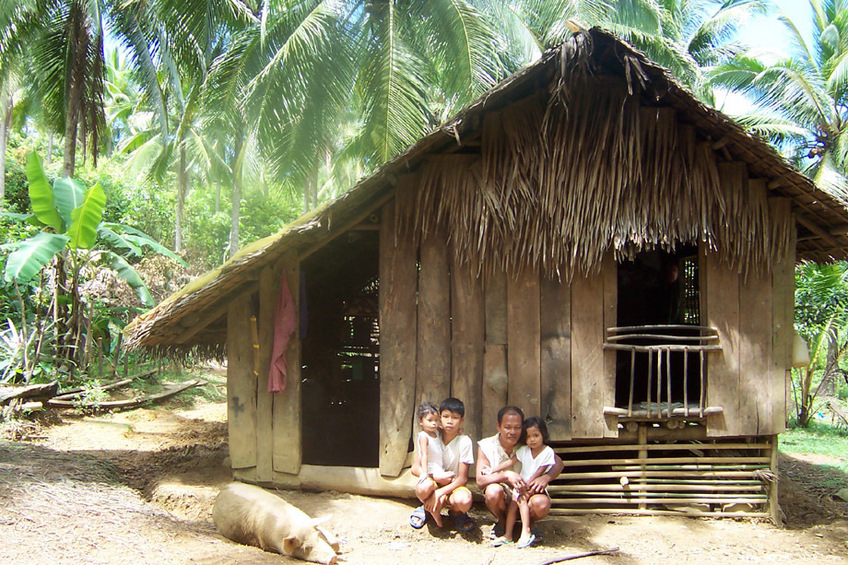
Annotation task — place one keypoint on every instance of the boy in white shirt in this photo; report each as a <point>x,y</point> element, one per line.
<point>457,457</point>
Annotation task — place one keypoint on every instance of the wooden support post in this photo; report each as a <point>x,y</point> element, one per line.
<point>398,341</point>
<point>783,314</point>
<point>241,385</point>
<point>286,408</point>
<point>268,281</point>
<point>773,502</point>
<point>643,454</point>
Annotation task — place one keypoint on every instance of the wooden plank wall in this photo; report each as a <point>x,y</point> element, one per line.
<point>495,379</point>
<point>433,370</point>
<point>241,386</point>
<point>468,329</point>
<point>749,313</point>
<point>555,336</point>
<point>592,372</point>
<point>783,320</point>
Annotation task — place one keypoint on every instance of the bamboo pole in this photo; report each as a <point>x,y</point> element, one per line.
<point>658,499</point>
<point>649,474</point>
<point>671,485</point>
<point>666,460</point>
<point>652,512</point>
<point>660,447</point>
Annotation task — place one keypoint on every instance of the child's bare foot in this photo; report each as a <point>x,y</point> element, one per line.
<point>437,516</point>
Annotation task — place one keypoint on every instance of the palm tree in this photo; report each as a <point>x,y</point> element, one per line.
<point>296,72</point>
<point>62,43</point>
<point>800,101</point>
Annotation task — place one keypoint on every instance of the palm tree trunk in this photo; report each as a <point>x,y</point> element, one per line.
<point>70,156</point>
<point>5,124</point>
<point>236,211</point>
<point>49,157</point>
<point>182,190</point>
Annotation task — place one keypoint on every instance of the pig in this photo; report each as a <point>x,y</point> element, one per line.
<point>253,516</point>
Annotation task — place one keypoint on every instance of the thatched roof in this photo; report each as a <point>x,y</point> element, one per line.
<point>541,96</point>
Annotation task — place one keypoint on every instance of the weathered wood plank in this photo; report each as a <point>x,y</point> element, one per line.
<point>495,376</point>
<point>468,334</point>
<point>555,324</point>
<point>783,313</point>
<point>287,404</point>
<point>523,332</point>
<point>755,355</point>
<point>721,285</point>
<point>265,400</point>
<point>434,322</point>
<point>609,274</point>
<point>241,385</point>
<point>587,356</point>
<point>398,342</point>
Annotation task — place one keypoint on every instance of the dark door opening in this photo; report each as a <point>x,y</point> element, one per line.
<point>659,300</point>
<point>340,356</point>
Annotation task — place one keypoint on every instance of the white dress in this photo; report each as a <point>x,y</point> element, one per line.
<point>435,462</point>
<point>530,464</point>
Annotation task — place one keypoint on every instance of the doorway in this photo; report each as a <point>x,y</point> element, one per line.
<point>340,357</point>
<point>659,304</point>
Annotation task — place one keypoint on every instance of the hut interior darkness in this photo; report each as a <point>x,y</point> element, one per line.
<point>586,241</point>
<point>340,340</point>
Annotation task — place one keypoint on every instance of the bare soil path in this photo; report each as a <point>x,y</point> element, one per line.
<point>138,487</point>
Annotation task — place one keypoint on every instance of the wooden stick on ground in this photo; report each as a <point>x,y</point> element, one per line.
<point>579,555</point>
<point>172,391</point>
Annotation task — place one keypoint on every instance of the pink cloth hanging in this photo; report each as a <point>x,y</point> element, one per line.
<point>285,319</point>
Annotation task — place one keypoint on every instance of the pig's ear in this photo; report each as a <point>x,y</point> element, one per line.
<point>318,521</point>
<point>290,544</point>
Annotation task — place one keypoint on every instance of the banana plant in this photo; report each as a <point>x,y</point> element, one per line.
<point>71,220</point>
<point>72,236</point>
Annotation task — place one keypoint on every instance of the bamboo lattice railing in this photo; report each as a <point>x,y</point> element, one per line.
<point>667,351</point>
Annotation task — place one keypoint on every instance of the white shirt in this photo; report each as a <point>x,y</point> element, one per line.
<point>493,450</point>
<point>529,464</point>
<point>460,450</point>
<point>434,452</point>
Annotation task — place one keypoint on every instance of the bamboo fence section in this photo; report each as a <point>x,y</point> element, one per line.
<point>693,478</point>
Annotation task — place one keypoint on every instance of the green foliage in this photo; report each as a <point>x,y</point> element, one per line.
<point>821,318</point>
<point>91,397</point>
<point>73,241</point>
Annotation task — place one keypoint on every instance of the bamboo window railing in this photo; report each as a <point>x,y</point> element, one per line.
<point>664,355</point>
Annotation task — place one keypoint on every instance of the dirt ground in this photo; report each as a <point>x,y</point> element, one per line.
<point>138,487</point>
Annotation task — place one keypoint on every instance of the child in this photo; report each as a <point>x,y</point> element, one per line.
<point>428,461</point>
<point>457,457</point>
<point>536,457</point>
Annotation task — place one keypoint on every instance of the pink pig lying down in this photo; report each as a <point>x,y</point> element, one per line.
<point>253,516</point>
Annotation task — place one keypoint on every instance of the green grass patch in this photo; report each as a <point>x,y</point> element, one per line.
<point>820,439</point>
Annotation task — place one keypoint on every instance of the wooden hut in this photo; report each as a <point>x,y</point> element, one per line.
<point>587,241</point>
